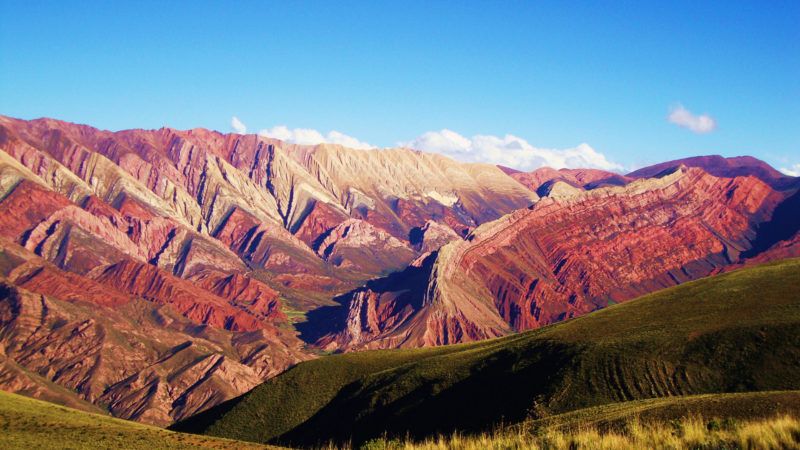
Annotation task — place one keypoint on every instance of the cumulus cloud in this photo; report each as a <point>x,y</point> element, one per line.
<point>511,151</point>
<point>700,124</point>
<point>308,136</point>
<point>792,171</point>
<point>238,126</point>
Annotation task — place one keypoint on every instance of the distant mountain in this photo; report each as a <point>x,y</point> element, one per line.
<point>541,179</point>
<point>737,332</point>
<point>737,166</point>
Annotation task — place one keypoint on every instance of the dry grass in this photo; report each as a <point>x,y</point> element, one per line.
<point>782,432</point>
<point>26,423</point>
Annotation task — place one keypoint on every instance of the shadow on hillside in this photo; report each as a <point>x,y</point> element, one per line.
<point>785,222</point>
<point>405,288</point>
<point>325,320</point>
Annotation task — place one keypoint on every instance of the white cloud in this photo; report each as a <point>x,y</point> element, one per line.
<point>682,117</point>
<point>511,151</point>
<point>336,137</point>
<point>308,136</point>
<point>238,126</point>
<point>792,171</point>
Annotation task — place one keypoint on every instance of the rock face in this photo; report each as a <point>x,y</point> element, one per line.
<point>564,257</point>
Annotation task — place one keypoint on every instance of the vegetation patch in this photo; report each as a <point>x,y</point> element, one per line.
<point>28,423</point>
<point>694,432</point>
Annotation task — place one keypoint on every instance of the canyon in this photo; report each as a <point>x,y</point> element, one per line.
<point>153,274</point>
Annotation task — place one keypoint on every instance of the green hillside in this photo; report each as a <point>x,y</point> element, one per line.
<point>736,332</point>
<point>613,416</point>
<point>26,423</point>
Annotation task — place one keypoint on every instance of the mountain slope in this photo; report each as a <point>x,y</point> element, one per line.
<point>734,332</point>
<point>137,360</point>
<point>739,405</point>
<point>720,166</point>
<point>395,188</point>
<point>29,423</point>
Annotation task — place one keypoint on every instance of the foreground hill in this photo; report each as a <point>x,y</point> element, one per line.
<point>29,423</point>
<point>738,405</point>
<point>735,332</point>
<point>711,421</point>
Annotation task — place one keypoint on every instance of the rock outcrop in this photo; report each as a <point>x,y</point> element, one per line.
<point>432,236</point>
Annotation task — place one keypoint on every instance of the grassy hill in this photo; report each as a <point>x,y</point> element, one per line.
<point>737,332</point>
<point>779,431</point>
<point>614,416</point>
<point>26,423</point>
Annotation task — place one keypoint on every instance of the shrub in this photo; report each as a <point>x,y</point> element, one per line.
<point>729,424</point>
<point>382,444</point>
<point>678,429</point>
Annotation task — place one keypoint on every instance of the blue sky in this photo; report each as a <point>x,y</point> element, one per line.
<point>553,75</point>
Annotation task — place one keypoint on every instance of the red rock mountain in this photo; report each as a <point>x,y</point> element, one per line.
<point>566,256</point>
<point>155,273</point>
<point>540,180</point>
<point>724,167</point>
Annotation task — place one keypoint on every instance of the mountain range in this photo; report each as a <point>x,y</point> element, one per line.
<point>154,274</point>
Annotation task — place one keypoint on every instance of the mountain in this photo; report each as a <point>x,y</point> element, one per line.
<point>720,166</point>
<point>541,179</point>
<point>565,256</point>
<point>159,272</point>
<point>736,332</point>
